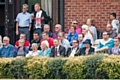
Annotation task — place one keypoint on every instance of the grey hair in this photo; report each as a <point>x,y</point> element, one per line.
<point>35,44</point>
<point>46,43</point>
<point>46,25</point>
<point>6,37</point>
<point>21,41</point>
<point>25,5</point>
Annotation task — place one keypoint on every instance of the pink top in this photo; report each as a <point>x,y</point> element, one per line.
<point>78,30</point>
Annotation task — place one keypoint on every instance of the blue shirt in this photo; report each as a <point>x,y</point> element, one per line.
<point>47,54</point>
<point>7,51</point>
<point>93,29</point>
<point>71,37</point>
<point>81,45</point>
<point>65,43</point>
<point>24,19</point>
<point>109,44</point>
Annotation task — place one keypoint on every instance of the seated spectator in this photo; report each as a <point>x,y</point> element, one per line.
<point>46,28</point>
<point>72,35</point>
<point>87,35</point>
<point>62,41</point>
<point>112,33</point>
<point>106,43</point>
<point>45,49</point>
<point>57,50</point>
<point>115,22</point>
<point>92,28</point>
<point>78,29</point>
<point>116,49</point>
<point>36,39</point>
<point>80,39</point>
<point>74,49</point>
<point>58,28</point>
<point>22,36</point>
<point>87,50</point>
<point>34,52</point>
<point>45,36</point>
<point>7,49</point>
<point>22,50</point>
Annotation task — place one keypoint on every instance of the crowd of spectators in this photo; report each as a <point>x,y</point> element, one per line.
<point>79,40</point>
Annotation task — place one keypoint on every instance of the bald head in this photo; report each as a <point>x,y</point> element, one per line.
<point>58,28</point>
<point>6,41</point>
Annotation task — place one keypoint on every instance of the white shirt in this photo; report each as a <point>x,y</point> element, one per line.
<point>38,19</point>
<point>32,54</point>
<point>73,52</point>
<point>57,50</point>
<point>115,25</point>
<point>89,36</point>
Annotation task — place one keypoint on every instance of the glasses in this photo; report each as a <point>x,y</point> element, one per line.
<point>56,27</point>
<point>75,23</point>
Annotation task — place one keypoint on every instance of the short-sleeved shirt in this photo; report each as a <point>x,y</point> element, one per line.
<point>23,19</point>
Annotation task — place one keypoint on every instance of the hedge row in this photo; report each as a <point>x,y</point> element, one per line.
<point>83,67</point>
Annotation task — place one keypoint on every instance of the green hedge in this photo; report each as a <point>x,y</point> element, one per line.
<point>83,67</point>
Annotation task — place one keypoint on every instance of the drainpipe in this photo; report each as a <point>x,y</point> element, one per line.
<point>62,14</point>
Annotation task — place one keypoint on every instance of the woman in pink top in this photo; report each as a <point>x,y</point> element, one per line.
<point>78,29</point>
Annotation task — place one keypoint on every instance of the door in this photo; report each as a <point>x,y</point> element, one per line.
<point>9,20</point>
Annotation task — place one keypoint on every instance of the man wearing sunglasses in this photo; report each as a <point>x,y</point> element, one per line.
<point>74,49</point>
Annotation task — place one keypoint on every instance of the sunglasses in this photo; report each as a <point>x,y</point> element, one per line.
<point>75,23</point>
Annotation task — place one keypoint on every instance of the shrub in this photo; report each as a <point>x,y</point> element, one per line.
<point>91,64</point>
<point>36,68</point>
<point>110,67</point>
<point>4,70</point>
<point>55,68</point>
<point>73,68</point>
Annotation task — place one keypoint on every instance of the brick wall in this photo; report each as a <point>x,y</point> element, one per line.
<point>99,10</point>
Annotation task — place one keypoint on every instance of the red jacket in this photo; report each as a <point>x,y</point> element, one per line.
<point>27,44</point>
<point>50,42</point>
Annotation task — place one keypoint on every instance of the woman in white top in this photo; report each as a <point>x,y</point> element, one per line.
<point>34,52</point>
<point>92,28</point>
<point>86,32</point>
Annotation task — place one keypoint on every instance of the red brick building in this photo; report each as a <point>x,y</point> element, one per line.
<point>60,11</point>
<point>81,10</point>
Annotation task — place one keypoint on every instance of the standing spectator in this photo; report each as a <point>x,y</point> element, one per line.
<point>115,22</point>
<point>46,28</point>
<point>87,50</point>
<point>112,33</point>
<point>57,50</point>
<point>23,22</point>
<point>7,49</point>
<point>36,39</point>
<point>45,36</point>
<point>80,39</point>
<point>40,18</point>
<point>34,52</point>
<point>78,29</point>
<point>87,35</point>
<point>22,36</point>
<point>74,49</point>
<point>63,41</point>
<point>22,50</point>
<point>92,28</point>
<point>58,28</point>
<point>116,49</point>
<point>45,49</point>
<point>72,35</point>
<point>106,43</point>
